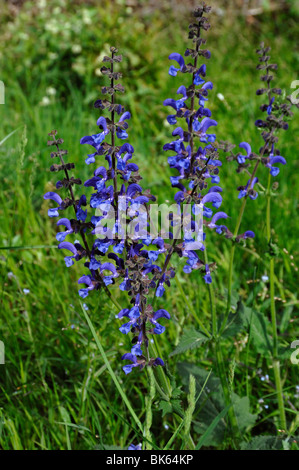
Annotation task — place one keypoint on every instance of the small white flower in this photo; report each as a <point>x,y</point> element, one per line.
<point>76,48</point>
<point>52,55</point>
<point>45,101</point>
<point>220,97</point>
<point>26,291</point>
<point>265,278</point>
<point>51,91</point>
<point>11,275</point>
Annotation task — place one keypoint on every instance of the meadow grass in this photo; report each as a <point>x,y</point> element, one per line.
<point>56,392</point>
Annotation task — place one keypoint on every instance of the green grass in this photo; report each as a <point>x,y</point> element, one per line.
<point>56,392</point>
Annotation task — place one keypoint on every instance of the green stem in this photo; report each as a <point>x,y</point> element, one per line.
<point>219,359</point>
<point>212,301</point>
<point>276,363</point>
<point>226,391</point>
<point>112,374</point>
<point>231,260</point>
<point>192,309</point>
<point>148,408</point>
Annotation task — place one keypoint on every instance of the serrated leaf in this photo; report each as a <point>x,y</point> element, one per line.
<point>191,339</point>
<point>176,393</point>
<point>263,443</point>
<point>165,407</point>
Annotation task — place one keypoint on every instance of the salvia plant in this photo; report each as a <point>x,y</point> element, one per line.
<point>119,243</point>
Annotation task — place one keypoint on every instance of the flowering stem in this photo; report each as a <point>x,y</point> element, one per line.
<point>232,252</point>
<point>113,140</point>
<point>276,363</point>
<point>231,263</point>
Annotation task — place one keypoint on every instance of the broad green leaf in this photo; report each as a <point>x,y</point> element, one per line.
<point>211,403</point>
<point>259,335</point>
<point>237,321</point>
<point>211,428</point>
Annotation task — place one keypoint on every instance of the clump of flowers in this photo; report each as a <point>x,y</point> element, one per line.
<point>198,167</point>
<point>277,111</point>
<point>128,250</point>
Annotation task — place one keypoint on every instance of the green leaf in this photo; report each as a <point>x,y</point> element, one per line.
<point>165,407</point>
<point>170,407</point>
<point>263,443</point>
<point>191,339</point>
<point>238,321</point>
<point>110,370</point>
<point>212,403</point>
<point>211,428</point>
<point>64,414</point>
<point>259,335</point>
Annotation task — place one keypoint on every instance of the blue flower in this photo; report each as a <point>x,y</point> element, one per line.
<point>159,329</point>
<point>241,158</point>
<point>132,447</point>
<point>180,60</point>
<point>248,189</point>
<point>60,236</point>
<point>69,259</point>
<point>207,277</point>
<point>55,197</point>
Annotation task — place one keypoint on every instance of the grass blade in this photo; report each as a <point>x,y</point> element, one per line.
<point>112,374</point>
<point>212,427</point>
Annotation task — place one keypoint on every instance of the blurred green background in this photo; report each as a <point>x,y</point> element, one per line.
<point>50,64</point>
